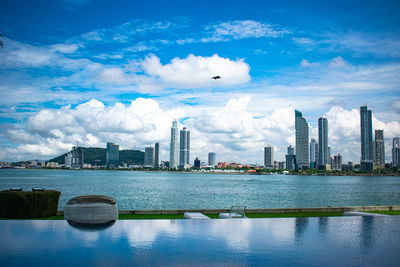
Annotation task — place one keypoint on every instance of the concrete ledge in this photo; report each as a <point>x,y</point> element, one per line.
<point>285,210</point>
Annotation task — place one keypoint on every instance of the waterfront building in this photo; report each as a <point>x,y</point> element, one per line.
<point>329,157</point>
<point>268,157</point>
<point>290,159</point>
<point>157,154</point>
<point>281,165</point>
<point>112,156</point>
<point>337,162</point>
<point>184,153</point>
<point>174,146</point>
<point>302,150</point>
<point>68,160</point>
<point>196,163</point>
<point>77,157</point>
<point>312,153</point>
<point>367,148</point>
<point>323,157</point>
<point>211,159</point>
<point>379,148</point>
<point>149,156</point>
<point>396,152</point>
<point>316,154</point>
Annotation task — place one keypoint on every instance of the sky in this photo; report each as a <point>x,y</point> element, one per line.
<point>103,71</point>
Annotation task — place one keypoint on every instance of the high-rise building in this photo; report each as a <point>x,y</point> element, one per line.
<point>174,146</point>
<point>337,162</point>
<point>112,156</point>
<point>68,160</point>
<point>396,152</point>
<point>302,149</point>
<point>379,148</point>
<point>149,156</point>
<point>157,154</point>
<point>211,159</point>
<point>367,148</point>
<point>290,159</point>
<point>196,163</point>
<point>323,157</point>
<point>316,154</point>
<point>77,160</point>
<point>184,153</point>
<point>329,157</point>
<point>313,145</point>
<point>268,156</point>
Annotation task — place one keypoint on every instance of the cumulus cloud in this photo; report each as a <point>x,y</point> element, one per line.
<point>196,71</point>
<point>186,73</point>
<point>306,63</point>
<point>232,130</point>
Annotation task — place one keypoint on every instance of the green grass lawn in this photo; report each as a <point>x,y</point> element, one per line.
<point>215,216</point>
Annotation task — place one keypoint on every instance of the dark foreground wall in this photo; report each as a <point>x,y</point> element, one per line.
<point>26,204</point>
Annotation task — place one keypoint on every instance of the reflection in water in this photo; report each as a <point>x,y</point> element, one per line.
<point>300,227</point>
<point>367,233</point>
<point>323,225</point>
<point>91,227</point>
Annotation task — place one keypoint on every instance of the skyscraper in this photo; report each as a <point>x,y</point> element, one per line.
<point>112,156</point>
<point>301,126</point>
<point>184,153</point>
<point>157,154</point>
<point>211,159</point>
<point>290,159</point>
<point>396,152</point>
<point>196,163</point>
<point>323,157</point>
<point>77,157</point>
<point>366,134</point>
<point>149,156</point>
<point>313,145</point>
<point>268,156</point>
<point>174,146</point>
<point>379,148</point>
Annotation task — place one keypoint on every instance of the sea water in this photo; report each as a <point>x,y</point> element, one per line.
<point>134,190</point>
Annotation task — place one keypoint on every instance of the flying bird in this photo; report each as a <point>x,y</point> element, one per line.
<point>216,77</point>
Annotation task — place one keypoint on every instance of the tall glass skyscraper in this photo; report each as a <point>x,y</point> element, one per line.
<point>323,142</point>
<point>184,153</point>
<point>157,154</point>
<point>174,146</point>
<point>112,156</point>
<point>367,148</point>
<point>379,148</point>
<point>396,152</point>
<point>313,145</point>
<point>302,151</point>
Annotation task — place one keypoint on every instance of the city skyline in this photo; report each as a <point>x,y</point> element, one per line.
<point>125,79</point>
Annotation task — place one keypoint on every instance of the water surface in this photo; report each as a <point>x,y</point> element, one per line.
<point>169,190</point>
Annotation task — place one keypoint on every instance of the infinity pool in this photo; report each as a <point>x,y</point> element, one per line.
<point>336,241</point>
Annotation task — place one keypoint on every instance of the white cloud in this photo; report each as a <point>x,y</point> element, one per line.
<point>191,72</point>
<point>232,130</point>
<point>307,64</point>
<point>240,29</point>
<point>196,71</point>
<point>337,62</point>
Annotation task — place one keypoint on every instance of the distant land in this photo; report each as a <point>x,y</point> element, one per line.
<point>97,156</point>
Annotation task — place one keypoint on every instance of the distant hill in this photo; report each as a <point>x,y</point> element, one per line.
<point>97,156</point>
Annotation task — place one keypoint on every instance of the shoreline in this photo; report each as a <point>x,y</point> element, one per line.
<point>221,172</point>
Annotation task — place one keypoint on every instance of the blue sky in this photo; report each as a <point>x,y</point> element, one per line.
<point>121,71</point>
